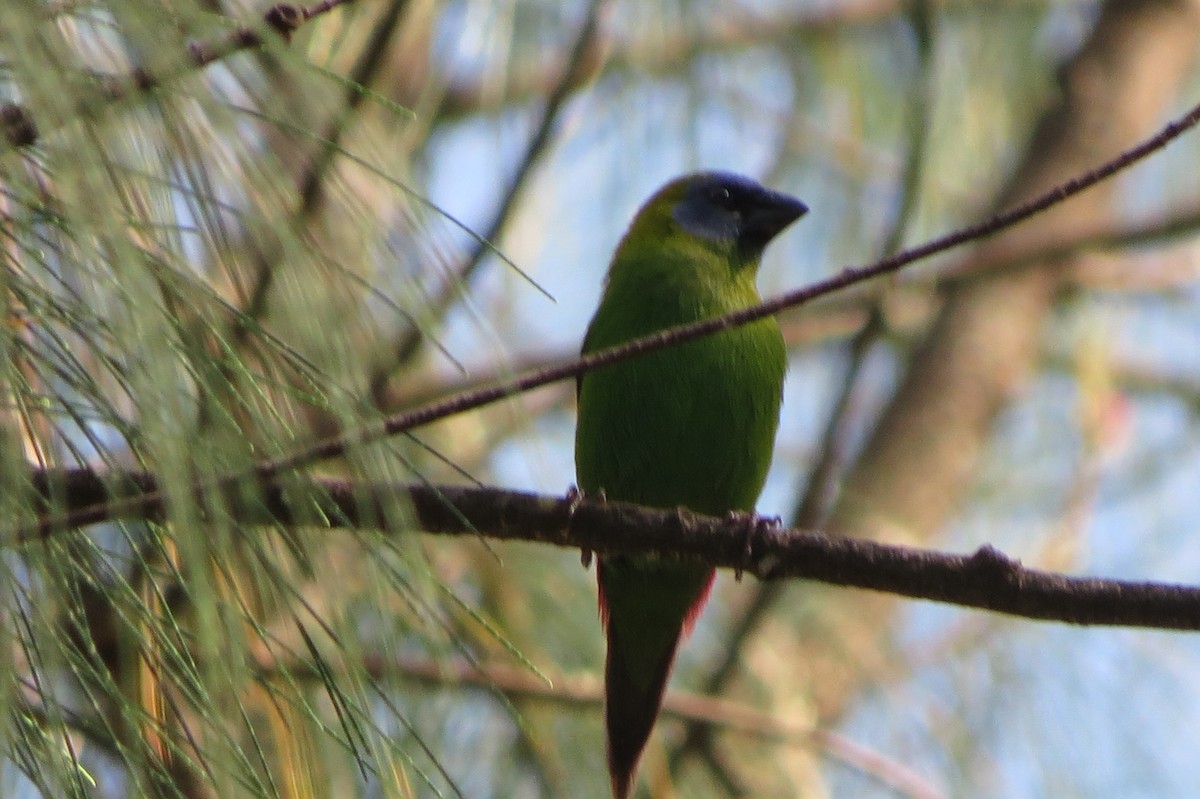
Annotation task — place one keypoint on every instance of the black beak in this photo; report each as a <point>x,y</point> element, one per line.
<point>766,217</point>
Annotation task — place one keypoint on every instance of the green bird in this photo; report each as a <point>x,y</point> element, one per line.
<point>691,425</point>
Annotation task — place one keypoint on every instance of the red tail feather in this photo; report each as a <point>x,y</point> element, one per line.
<point>689,621</point>
<point>631,706</point>
<point>629,713</point>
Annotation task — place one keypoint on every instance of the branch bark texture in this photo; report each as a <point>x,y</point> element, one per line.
<point>985,579</point>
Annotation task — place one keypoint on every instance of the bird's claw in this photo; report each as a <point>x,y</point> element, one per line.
<point>752,524</point>
<point>575,498</point>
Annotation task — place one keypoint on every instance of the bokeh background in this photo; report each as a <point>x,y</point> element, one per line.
<point>407,199</point>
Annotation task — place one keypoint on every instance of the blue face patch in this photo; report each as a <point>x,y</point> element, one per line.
<point>730,209</point>
<point>711,208</point>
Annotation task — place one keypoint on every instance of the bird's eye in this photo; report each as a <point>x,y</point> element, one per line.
<point>722,197</point>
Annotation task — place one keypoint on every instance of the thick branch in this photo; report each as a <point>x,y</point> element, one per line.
<point>986,579</point>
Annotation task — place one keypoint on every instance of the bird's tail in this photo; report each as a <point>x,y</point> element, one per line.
<point>641,650</point>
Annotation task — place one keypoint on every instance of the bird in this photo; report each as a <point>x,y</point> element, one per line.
<point>690,425</point>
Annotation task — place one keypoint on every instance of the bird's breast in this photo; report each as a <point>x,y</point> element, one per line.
<point>691,425</point>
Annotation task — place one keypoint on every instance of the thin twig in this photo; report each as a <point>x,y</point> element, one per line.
<point>587,693</point>
<point>19,128</point>
<point>328,144</point>
<point>573,71</point>
<point>458,403</point>
<point>818,496</point>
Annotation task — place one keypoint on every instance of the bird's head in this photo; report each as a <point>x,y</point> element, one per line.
<point>722,212</point>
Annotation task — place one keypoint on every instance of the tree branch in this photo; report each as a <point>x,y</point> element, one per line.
<point>587,692</point>
<point>986,579</point>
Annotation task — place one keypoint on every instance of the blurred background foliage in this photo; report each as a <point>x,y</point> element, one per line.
<point>410,198</point>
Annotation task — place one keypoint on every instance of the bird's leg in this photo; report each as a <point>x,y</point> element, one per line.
<point>752,525</point>
<point>575,497</point>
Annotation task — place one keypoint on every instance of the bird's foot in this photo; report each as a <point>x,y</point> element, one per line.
<point>752,525</point>
<point>574,498</point>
